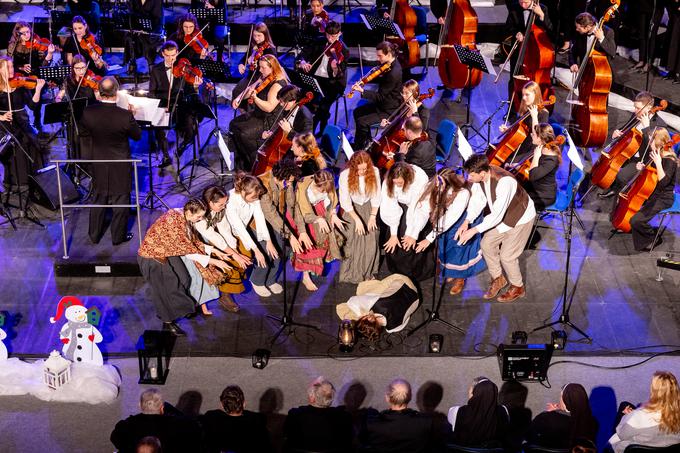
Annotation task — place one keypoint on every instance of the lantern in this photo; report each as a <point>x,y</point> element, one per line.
<point>260,358</point>
<point>56,371</point>
<point>346,336</point>
<point>154,356</point>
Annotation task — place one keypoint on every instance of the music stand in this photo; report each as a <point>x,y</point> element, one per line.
<point>54,73</point>
<point>216,16</point>
<point>473,59</point>
<point>59,112</point>
<point>215,71</point>
<point>382,25</point>
<point>307,82</point>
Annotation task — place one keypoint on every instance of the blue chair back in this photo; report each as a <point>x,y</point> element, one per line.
<point>564,196</point>
<point>331,139</point>
<point>421,25</point>
<point>446,135</point>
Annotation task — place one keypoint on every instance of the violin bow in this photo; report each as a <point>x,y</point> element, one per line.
<point>250,47</point>
<point>192,39</point>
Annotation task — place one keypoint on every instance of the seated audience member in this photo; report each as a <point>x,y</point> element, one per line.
<point>149,444</point>
<point>482,422</point>
<point>174,432</point>
<point>318,426</point>
<point>513,395</point>
<point>657,422</point>
<point>233,428</point>
<point>398,429</point>
<point>565,422</point>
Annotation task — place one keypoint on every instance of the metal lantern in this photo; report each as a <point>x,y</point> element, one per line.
<point>56,371</point>
<point>346,337</point>
<point>154,356</point>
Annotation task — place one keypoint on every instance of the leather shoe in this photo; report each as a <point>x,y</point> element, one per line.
<point>514,292</point>
<point>607,194</point>
<point>228,304</point>
<point>128,237</point>
<point>496,286</point>
<point>174,329</point>
<point>650,246</point>
<point>457,286</point>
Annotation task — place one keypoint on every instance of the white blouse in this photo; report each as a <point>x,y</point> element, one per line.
<point>453,212</point>
<point>346,199</point>
<point>239,214</point>
<point>391,212</point>
<point>314,197</point>
<point>220,236</point>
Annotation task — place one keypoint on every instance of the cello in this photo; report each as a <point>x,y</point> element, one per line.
<point>403,15</point>
<point>521,172</point>
<point>277,144</point>
<point>388,140</point>
<point>535,61</point>
<point>639,190</point>
<point>589,122</point>
<point>617,153</point>
<point>460,27</point>
<point>513,138</point>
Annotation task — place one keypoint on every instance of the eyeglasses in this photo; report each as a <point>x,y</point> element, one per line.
<point>80,68</point>
<point>24,33</point>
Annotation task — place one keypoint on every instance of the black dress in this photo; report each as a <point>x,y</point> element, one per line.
<point>17,163</point>
<point>542,187</point>
<point>527,146</point>
<point>73,48</point>
<point>416,266</point>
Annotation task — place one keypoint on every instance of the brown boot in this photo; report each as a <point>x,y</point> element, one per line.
<point>496,286</point>
<point>457,286</point>
<point>227,303</point>
<point>514,292</point>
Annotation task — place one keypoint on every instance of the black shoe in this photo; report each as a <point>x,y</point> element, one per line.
<point>173,328</point>
<point>95,240</point>
<point>128,237</point>
<point>607,194</point>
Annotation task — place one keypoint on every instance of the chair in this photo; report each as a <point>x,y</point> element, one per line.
<point>673,210</point>
<point>446,135</point>
<point>562,203</point>
<point>422,36</point>
<point>337,104</point>
<point>635,448</point>
<point>331,141</point>
<point>453,448</point>
<point>531,448</point>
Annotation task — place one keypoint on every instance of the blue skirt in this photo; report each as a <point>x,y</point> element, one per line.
<point>461,261</point>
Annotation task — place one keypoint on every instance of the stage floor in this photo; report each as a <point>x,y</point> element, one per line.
<point>615,296</point>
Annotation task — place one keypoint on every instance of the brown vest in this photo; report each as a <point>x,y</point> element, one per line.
<point>518,204</point>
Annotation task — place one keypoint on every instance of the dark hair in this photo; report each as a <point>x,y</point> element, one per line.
<point>188,17</point>
<point>74,61</point>
<point>167,45</point>
<point>547,134</point>
<point>585,19</point>
<point>153,444</point>
<point>108,87</point>
<point>288,93</point>
<point>387,48</point>
<point>440,192</point>
<point>333,27</point>
<point>80,20</point>
<point>399,170</point>
<point>213,194</point>
<point>583,424</point>
<point>477,163</point>
<point>245,184</point>
<point>232,399</point>
<point>285,168</point>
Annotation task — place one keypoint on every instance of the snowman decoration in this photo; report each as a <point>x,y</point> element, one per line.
<point>79,335</point>
<point>3,335</point>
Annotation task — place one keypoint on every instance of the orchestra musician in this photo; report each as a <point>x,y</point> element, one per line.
<point>141,43</point>
<point>438,8</point>
<point>81,83</point>
<point>82,42</point>
<point>300,121</point>
<point>643,104</point>
<point>531,99</point>
<point>216,33</point>
<point>383,101</point>
<point>315,21</point>
<point>586,32</point>
<point>187,26</point>
<point>542,186</point>
<point>306,154</point>
<point>665,163</point>
<point>261,44</point>
<point>245,131</point>
<point>175,95</point>
<point>410,92</point>
<point>326,60</point>
<point>417,150</point>
<point>88,9</point>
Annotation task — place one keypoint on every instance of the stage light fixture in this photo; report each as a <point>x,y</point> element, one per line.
<point>436,343</point>
<point>346,336</point>
<point>519,337</point>
<point>558,338</point>
<point>261,358</point>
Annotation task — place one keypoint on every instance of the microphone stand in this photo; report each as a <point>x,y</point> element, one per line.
<point>286,321</point>
<point>487,122</point>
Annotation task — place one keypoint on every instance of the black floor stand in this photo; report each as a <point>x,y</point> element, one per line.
<point>5,212</point>
<point>151,194</point>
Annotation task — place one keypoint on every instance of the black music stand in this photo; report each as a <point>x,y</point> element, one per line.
<point>216,16</point>
<point>201,111</point>
<point>382,25</point>
<point>60,112</point>
<point>151,194</point>
<point>306,83</point>
<point>61,19</point>
<point>473,59</point>
<point>54,73</point>
<point>215,71</point>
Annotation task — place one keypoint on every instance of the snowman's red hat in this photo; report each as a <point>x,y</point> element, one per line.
<point>71,300</point>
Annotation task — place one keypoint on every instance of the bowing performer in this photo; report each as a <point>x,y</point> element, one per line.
<point>547,157</point>
<point>666,166</point>
<point>506,229</point>
<point>326,59</point>
<point>188,36</point>
<point>587,31</point>
<point>82,42</point>
<point>81,83</point>
<point>306,154</point>
<point>383,101</point>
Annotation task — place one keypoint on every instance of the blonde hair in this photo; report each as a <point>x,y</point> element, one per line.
<point>277,70</point>
<point>358,158</point>
<point>664,397</point>
<point>310,147</point>
<point>660,137</point>
<point>324,181</point>
<point>4,81</point>
<point>538,97</point>
<point>412,86</point>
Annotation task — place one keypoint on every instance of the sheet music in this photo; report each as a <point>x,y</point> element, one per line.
<point>146,109</point>
<point>346,147</point>
<point>464,148</point>
<point>224,150</point>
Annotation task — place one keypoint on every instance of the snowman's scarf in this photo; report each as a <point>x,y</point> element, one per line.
<point>69,332</point>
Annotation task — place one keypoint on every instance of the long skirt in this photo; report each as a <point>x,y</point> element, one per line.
<point>361,253</point>
<point>416,266</point>
<point>170,282</point>
<point>312,260</point>
<point>199,289</point>
<point>461,261</point>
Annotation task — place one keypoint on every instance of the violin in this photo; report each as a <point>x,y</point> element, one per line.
<point>638,191</point>
<point>373,74</point>
<point>94,50</point>
<point>460,27</point>
<point>257,54</point>
<point>513,137</point>
<point>403,15</point>
<point>91,80</point>
<point>39,44</point>
<point>196,41</point>
<point>521,172</point>
<point>590,120</point>
<point>28,82</point>
<point>277,144</point>
<point>617,153</point>
<point>184,69</point>
<point>320,21</point>
<point>334,51</point>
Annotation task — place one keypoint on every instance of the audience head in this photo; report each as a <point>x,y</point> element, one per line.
<point>108,88</point>
<point>575,401</point>
<point>513,394</point>
<point>151,402</point>
<point>584,446</point>
<point>149,444</point>
<point>664,397</point>
<point>398,394</point>
<point>474,384</point>
<point>321,392</point>
<point>232,399</point>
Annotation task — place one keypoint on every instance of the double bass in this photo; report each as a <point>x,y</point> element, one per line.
<point>589,122</point>
<point>535,61</point>
<point>460,27</point>
<point>513,137</point>
<point>383,147</point>
<point>617,153</point>
<point>403,15</point>
<point>277,144</point>
<point>639,190</point>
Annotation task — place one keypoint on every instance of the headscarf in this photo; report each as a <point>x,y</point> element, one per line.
<point>582,423</point>
<point>477,421</point>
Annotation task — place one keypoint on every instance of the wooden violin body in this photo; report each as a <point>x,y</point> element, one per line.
<point>460,27</point>
<point>590,120</point>
<point>611,160</point>
<point>404,16</point>
<point>629,203</point>
<point>535,62</point>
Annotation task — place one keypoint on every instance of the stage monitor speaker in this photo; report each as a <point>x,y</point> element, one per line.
<point>45,190</point>
<point>524,362</point>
